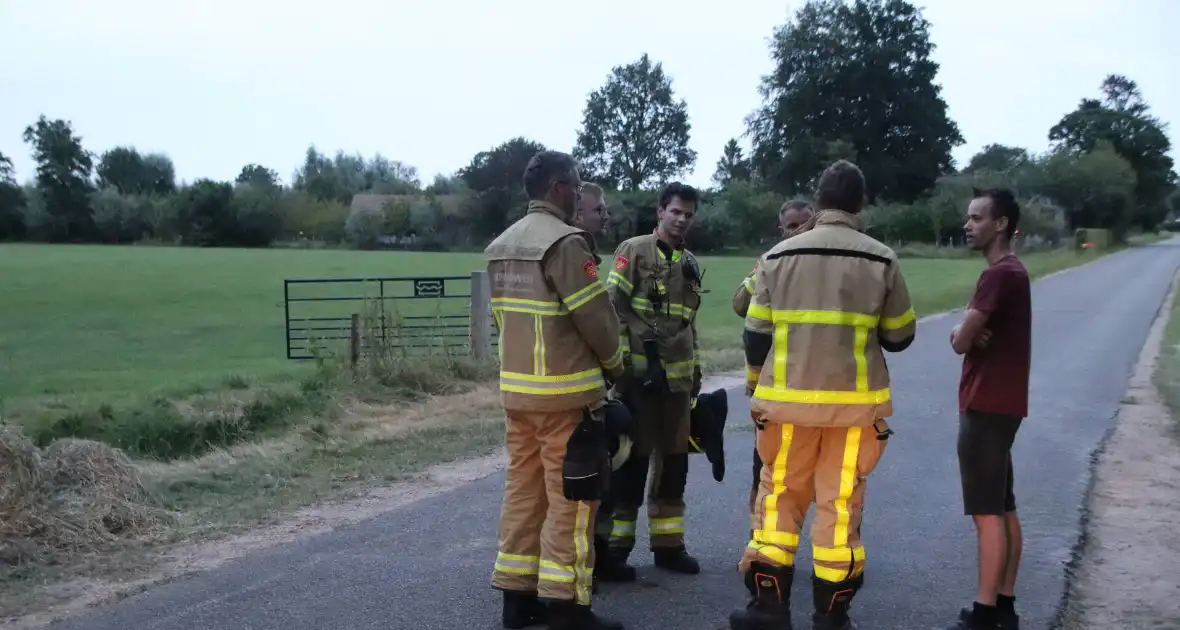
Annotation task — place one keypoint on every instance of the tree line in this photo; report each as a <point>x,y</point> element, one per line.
<point>852,79</point>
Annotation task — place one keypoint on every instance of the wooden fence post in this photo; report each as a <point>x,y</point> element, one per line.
<point>481,315</point>
<point>354,341</point>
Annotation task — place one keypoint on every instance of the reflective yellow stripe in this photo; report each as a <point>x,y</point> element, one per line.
<point>675,254</point>
<point>822,397</point>
<point>644,305</point>
<point>838,554</point>
<point>780,356</point>
<point>551,385</point>
<point>615,361</point>
<point>862,362</point>
<point>832,575</point>
<point>749,284</point>
<point>847,482</point>
<point>538,346</point>
<point>672,369</point>
<point>893,323</point>
<point>560,573</point>
<point>616,279</point>
<point>672,525</point>
<point>696,448</point>
<point>625,341</point>
<point>517,564</point>
<point>583,295</point>
<point>622,529</point>
<point>757,311</point>
<point>777,554</point>
<point>768,540</point>
<point>530,307</point>
<point>582,573</point>
<point>836,318</point>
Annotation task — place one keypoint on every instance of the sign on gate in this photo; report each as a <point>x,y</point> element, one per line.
<point>432,315</point>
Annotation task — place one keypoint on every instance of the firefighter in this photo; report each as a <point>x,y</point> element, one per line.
<point>792,215</point>
<point>655,284</point>
<point>827,304</point>
<point>559,341</point>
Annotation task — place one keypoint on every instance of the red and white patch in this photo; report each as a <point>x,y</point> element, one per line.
<point>590,269</point>
<point>621,263</point>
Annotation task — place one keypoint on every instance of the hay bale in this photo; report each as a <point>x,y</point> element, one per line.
<point>22,496</point>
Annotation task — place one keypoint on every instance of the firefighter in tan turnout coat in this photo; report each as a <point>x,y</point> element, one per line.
<point>559,341</point>
<point>655,285</point>
<point>827,304</point>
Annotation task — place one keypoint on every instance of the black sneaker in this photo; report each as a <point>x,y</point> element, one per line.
<point>677,561</point>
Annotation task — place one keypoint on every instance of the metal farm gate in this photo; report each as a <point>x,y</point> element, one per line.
<point>417,316</point>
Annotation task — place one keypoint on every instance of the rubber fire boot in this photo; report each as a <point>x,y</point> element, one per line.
<point>523,610</point>
<point>677,560</point>
<point>832,600</point>
<point>611,566</point>
<point>568,615</point>
<point>770,599</point>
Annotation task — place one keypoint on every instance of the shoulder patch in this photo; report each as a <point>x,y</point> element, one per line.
<point>621,262</point>
<point>590,270</point>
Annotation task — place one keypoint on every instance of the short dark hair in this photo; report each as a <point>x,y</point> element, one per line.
<point>794,204</point>
<point>676,189</point>
<point>1003,205</point>
<point>543,169</point>
<point>841,187</point>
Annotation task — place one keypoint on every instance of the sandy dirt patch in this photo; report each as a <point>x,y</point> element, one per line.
<point>1127,576</point>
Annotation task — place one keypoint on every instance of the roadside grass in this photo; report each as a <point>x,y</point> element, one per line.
<point>175,357</point>
<point>1167,369</point>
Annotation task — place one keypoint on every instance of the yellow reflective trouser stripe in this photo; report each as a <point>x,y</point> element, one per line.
<point>672,525</point>
<point>556,384</point>
<point>838,554</point>
<point>517,564</point>
<point>616,279</point>
<point>749,284</point>
<point>615,361</point>
<point>768,541</point>
<point>538,346</point>
<point>847,482</point>
<point>622,529</point>
<point>582,570</point>
<point>583,295</point>
<point>893,323</point>
<point>553,572</point>
<point>625,342</point>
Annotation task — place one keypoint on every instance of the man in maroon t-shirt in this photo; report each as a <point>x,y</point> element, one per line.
<point>995,338</point>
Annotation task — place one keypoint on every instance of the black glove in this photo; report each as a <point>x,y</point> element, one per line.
<point>707,426</point>
<point>585,467</point>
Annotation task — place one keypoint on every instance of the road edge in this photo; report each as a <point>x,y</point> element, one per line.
<point>1152,344</point>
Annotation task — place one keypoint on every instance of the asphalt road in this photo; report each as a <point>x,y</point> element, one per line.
<point>427,566</point>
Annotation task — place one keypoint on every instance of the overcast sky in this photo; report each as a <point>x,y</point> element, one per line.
<point>217,84</point>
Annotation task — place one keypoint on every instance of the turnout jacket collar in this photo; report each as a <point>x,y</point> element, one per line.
<point>841,218</point>
<point>548,208</point>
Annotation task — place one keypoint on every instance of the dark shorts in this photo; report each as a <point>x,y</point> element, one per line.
<point>985,462</point>
<point>757,470</point>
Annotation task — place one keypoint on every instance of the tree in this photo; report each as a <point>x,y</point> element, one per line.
<point>998,158</point>
<point>12,203</point>
<point>63,178</point>
<point>131,173</point>
<point>1096,188</point>
<point>1121,119</point>
<point>495,176</point>
<point>258,175</point>
<point>634,132</point>
<point>860,72</point>
<point>733,166</point>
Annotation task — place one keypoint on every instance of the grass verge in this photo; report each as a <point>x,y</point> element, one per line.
<point>1166,376</point>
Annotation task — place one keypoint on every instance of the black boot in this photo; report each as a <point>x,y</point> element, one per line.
<point>522,610</point>
<point>611,566</point>
<point>979,617</point>
<point>677,560</point>
<point>770,599</point>
<point>832,600</point>
<point>568,615</point>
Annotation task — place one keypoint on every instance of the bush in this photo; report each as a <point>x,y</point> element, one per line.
<point>258,214</point>
<point>364,228</point>
<point>306,217</point>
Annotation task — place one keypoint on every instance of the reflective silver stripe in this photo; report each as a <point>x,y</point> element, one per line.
<point>553,572</point>
<point>623,529</point>
<point>552,384</point>
<point>615,278</point>
<point>673,525</point>
<point>517,564</point>
<point>583,295</point>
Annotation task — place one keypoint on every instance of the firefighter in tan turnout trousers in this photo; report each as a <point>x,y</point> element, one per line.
<point>559,341</point>
<point>655,285</point>
<point>827,304</point>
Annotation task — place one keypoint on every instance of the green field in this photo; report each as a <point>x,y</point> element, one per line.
<point>94,324</point>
